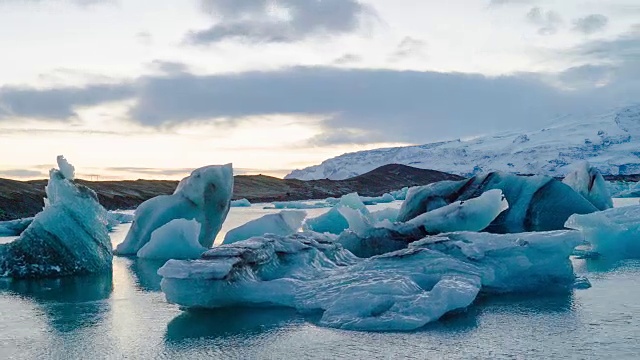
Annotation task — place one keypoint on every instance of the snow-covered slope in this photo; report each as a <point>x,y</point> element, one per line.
<point>610,142</point>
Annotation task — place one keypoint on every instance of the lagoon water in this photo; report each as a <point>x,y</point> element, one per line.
<point>125,316</point>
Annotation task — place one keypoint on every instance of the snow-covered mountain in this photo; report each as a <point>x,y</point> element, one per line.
<point>610,141</point>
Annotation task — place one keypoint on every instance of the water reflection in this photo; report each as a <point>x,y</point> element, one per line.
<point>146,273</point>
<point>69,303</point>
<point>194,324</point>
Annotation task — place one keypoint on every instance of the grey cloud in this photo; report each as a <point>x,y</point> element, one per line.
<point>359,105</point>
<point>509,2</point>
<point>21,173</point>
<point>169,67</point>
<point>56,103</point>
<point>347,59</point>
<point>408,47</point>
<point>547,22</point>
<point>590,24</point>
<point>257,20</point>
<point>625,47</point>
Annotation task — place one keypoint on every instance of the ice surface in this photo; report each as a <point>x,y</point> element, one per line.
<point>334,221</point>
<point>402,290</point>
<point>203,196</point>
<point>177,239</point>
<point>69,236</point>
<point>283,223</point>
<point>240,203</point>
<point>400,194</point>
<point>536,203</point>
<point>388,214</point>
<point>588,182</point>
<point>614,233</point>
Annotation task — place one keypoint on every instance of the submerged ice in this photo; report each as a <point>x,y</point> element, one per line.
<point>69,236</point>
<point>402,290</point>
<point>204,196</point>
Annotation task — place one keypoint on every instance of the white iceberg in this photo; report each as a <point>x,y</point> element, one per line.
<point>204,196</point>
<point>402,290</point>
<point>240,203</point>
<point>536,203</point>
<point>283,223</point>
<point>588,182</point>
<point>69,236</point>
<point>613,233</point>
<point>177,239</point>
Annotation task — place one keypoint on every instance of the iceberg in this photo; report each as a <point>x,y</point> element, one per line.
<point>613,233</point>
<point>400,194</point>
<point>115,218</point>
<point>588,182</point>
<point>398,291</point>
<point>204,196</point>
<point>283,223</point>
<point>471,215</point>
<point>68,237</point>
<point>536,203</point>
<point>177,239</point>
<point>334,221</point>
<point>240,203</point>
<point>299,205</point>
<point>383,199</point>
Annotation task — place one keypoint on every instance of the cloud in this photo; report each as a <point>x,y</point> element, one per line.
<point>590,24</point>
<point>357,105</point>
<point>624,48</point>
<point>81,3</point>
<point>546,21</point>
<point>169,67</point>
<point>279,20</point>
<point>510,2</point>
<point>56,103</point>
<point>21,173</point>
<point>408,47</point>
<point>347,59</point>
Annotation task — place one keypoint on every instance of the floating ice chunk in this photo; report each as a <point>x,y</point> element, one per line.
<point>470,215</point>
<point>14,227</point>
<point>67,170</point>
<point>203,196</point>
<point>300,205</point>
<point>536,203</point>
<point>614,233</point>
<point>334,221</point>
<point>475,214</point>
<point>403,290</point>
<point>588,182</point>
<point>383,199</point>
<point>69,237</point>
<point>283,223</point>
<point>240,203</point>
<point>115,218</point>
<point>388,214</point>
<point>400,194</point>
<point>177,239</point>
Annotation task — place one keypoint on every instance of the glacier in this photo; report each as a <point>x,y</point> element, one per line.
<point>68,237</point>
<point>609,141</point>
<point>613,233</point>
<point>536,203</point>
<point>397,291</point>
<point>283,223</point>
<point>588,182</point>
<point>203,196</point>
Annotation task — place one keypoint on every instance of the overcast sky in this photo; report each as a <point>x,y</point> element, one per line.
<point>155,88</point>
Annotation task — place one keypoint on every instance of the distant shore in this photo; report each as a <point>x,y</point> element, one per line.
<point>20,199</point>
